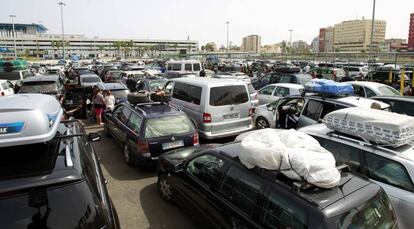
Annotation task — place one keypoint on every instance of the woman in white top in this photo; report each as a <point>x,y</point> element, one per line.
<point>109,101</point>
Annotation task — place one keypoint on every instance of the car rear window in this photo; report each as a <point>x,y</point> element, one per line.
<point>38,87</point>
<point>228,95</point>
<point>10,76</point>
<point>388,91</point>
<point>91,80</point>
<point>120,93</point>
<point>167,126</point>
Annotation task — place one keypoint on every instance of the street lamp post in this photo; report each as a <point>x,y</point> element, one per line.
<point>290,44</point>
<point>14,35</point>
<point>372,30</point>
<point>63,32</point>
<point>227,36</point>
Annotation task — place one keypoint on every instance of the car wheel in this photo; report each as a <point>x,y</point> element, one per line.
<point>164,188</point>
<point>262,123</point>
<point>127,155</point>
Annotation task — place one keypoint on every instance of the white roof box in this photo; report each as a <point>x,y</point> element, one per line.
<point>28,119</point>
<point>381,127</point>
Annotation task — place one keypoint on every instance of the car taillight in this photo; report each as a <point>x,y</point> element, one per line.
<point>206,118</point>
<point>250,111</point>
<point>143,147</point>
<point>2,93</point>
<point>195,139</point>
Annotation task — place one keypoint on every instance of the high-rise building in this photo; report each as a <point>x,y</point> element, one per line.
<point>251,43</point>
<point>355,35</point>
<point>322,35</point>
<point>410,45</point>
<point>315,44</point>
<point>329,39</point>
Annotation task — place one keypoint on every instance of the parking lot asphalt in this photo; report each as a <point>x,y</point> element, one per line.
<point>134,190</point>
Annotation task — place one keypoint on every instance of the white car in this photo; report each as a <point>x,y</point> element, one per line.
<point>356,73</point>
<point>273,92</point>
<point>370,89</point>
<point>6,88</point>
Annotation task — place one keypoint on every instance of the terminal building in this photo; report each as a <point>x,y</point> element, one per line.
<point>251,43</point>
<point>32,40</point>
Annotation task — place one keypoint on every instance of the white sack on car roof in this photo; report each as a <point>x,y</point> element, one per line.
<point>296,154</point>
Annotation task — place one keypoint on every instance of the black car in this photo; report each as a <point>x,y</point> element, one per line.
<point>147,130</point>
<point>151,84</point>
<point>55,184</point>
<point>219,191</point>
<point>283,75</point>
<point>118,90</point>
<point>398,104</point>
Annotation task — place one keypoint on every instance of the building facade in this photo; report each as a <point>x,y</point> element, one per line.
<point>315,44</point>
<point>31,40</point>
<point>410,45</point>
<point>251,43</point>
<point>330,39</point>
<point>322,35</point>
<point>355,35</point>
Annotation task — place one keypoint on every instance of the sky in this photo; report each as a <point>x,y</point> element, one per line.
<point>205,21</point>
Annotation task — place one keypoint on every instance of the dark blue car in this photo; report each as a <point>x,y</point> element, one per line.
<point>147,130</point>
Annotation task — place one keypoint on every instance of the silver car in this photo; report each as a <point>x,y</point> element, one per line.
<point>218,107</point>
<point>297,111</point>
<point>275,91</point>
<point>391,168</point>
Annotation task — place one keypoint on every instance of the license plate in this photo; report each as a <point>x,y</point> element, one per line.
<point>174,144</point>
<point>231,116</point>
<point>69,102</point>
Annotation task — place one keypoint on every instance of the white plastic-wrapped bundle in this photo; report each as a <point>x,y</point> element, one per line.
<point>263,149</point>
<point>379,126</point>
<point>296,154</point>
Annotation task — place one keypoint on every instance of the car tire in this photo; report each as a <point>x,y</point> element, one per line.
<point>135,98</point>
<point>128,155</point>
<point>164,188</point>
<point>262,123</point>
<point>161,98</point>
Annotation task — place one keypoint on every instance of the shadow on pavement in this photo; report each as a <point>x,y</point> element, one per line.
<point>170,217</point>
<point>112,159</point>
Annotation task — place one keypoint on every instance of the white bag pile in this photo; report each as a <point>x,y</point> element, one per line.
<point>382,127</point>
<point>296,154</point>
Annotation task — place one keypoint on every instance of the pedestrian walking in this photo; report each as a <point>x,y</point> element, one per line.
<point>98,104</point>
<point>109,101</point>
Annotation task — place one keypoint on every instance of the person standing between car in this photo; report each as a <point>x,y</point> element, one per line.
<point>98,102</point>
<point>109,101</point>
<point>202,73</point>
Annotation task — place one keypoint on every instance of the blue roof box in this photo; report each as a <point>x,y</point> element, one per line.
<point>329,87</point>
<point>28,118</point>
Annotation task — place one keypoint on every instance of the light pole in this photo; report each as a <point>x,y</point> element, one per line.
<point>227,23</point>
<point>63,32</point>
<point>290,44</point>
<point>14,35</point>
<point>372,31</point>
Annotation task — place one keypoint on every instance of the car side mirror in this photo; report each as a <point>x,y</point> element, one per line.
<point>94,137</point>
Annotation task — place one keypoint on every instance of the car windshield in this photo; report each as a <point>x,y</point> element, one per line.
<point>39,87</point>
<point>120,93</point>
<point>91,80</point>
<point>388,91</point>
<point>376,213</point>
<point>156,84</point>
<point>167,126</point>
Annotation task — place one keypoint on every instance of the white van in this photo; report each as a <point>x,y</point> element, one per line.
<point>218,107</point>
<point>184,66</point>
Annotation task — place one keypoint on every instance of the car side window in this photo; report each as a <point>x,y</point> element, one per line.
<point>313,110</point>
<point>266,78</point>
<point>168,87</point>
<point>188,67</point>
<point>241,189</point>
<point>401,107</point>
<point>134,123</point>
<point>282,91</point>
<point>206,168</point>
<point>359,91</point>
<point>123,115</point>
<point>285,79</point>
<point>280,212</point>
<point>187,93</point>
<point>369,92</point>
<point>388,172</point>
<point>267,90</point>
<point>343,153</point>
